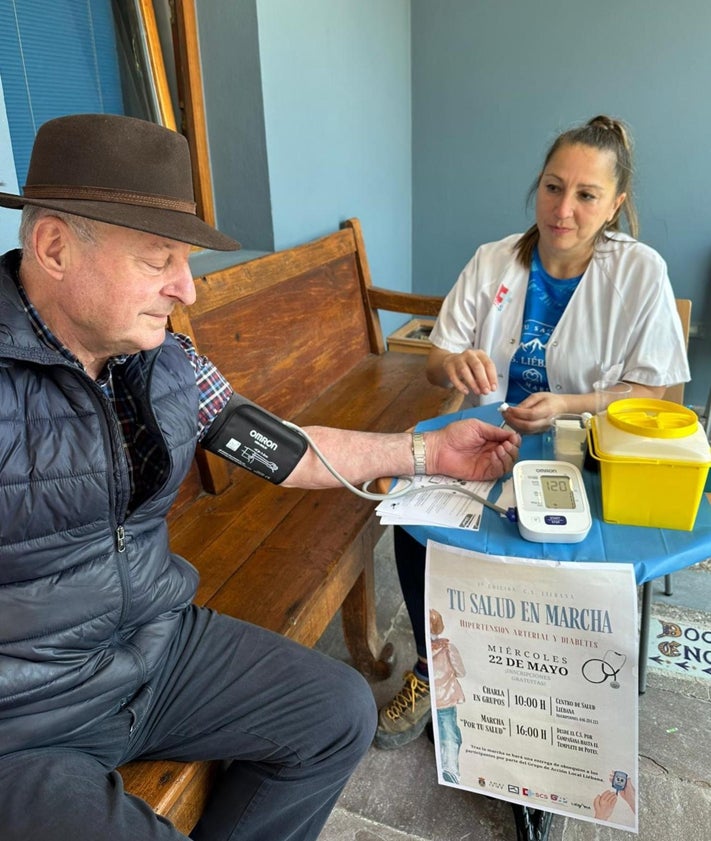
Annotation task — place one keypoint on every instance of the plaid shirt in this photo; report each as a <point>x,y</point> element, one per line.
<point>147,465</point>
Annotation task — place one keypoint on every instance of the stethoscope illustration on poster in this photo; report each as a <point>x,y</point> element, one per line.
<point>596,670</point>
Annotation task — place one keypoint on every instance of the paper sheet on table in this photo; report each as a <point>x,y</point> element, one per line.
<point>507,497</point>
<point>445,508</point>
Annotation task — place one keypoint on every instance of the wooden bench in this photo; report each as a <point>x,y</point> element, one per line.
<point>298,332</point>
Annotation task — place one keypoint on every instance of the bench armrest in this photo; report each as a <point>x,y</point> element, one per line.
<point>408,302</point>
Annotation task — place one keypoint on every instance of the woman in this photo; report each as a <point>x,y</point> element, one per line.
<point>536,319</point>
<point>448,668</point>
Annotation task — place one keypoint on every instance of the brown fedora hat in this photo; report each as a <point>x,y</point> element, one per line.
<point>119,170</point>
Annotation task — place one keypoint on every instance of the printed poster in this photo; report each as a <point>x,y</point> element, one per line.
<point>533,669</point>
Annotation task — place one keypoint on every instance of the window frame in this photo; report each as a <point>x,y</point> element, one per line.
<point>186,58</point>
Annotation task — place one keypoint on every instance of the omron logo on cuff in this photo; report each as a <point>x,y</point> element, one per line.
<point>256,440</point>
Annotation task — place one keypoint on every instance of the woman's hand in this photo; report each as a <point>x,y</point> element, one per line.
<point>535,413</point>
<point>604,804</point>
<point>469,371</point>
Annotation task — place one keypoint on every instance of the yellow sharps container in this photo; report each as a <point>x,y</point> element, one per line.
<point>654,457</point>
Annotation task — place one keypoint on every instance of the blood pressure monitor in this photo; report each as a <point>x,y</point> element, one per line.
<point>551,502</point>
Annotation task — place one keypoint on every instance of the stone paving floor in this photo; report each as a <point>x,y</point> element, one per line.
<point>394,795</point>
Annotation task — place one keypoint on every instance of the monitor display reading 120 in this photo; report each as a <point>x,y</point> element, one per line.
<point>557,492</point>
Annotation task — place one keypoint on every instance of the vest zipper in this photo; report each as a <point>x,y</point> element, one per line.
<point>121,539</point>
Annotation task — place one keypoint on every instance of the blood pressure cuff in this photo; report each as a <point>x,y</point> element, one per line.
<point>256,440</point>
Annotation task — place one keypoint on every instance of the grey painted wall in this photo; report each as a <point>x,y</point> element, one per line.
<point>229,48</point>
<point>336,82</point>
<point>494,81</point>
<point>309,120</point>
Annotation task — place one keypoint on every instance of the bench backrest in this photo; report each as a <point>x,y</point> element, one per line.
<point>284,327</point>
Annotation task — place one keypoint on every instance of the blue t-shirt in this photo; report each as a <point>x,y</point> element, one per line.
<point>546,298</point>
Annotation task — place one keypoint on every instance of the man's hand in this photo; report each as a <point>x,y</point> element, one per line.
<point>471,449</point>
<point>628,794</point>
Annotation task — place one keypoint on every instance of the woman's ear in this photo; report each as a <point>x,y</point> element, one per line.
<point>619,201</point>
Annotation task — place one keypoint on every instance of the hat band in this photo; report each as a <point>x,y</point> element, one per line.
<point>42,191</point>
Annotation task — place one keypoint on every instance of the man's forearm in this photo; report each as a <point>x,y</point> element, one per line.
<point>358,456</point>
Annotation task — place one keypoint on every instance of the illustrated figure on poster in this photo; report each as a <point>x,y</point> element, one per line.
<point>621,788</point>
<point>447,666</point>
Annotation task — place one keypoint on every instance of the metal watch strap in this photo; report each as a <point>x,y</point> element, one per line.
<point>418,453</point>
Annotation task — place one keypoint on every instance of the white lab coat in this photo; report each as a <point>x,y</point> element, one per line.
<point>621,321</point>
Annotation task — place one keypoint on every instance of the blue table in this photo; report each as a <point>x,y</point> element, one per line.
<point>653,552</point>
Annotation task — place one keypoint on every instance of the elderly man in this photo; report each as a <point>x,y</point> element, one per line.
<point>103,657</point>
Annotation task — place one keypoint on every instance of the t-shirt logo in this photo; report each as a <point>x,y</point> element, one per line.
<point>546,299</point>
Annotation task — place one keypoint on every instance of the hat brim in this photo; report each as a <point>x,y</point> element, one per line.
<point>172,224</point>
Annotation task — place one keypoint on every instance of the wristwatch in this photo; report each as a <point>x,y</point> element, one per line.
<point>418,453</point>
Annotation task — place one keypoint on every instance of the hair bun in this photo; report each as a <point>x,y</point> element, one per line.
<point>603,121</point>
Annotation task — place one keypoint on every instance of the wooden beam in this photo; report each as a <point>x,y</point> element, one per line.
<point>189,74</point>
<point>157,63</point>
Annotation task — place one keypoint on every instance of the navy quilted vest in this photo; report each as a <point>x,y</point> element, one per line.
<point>85,616</point>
